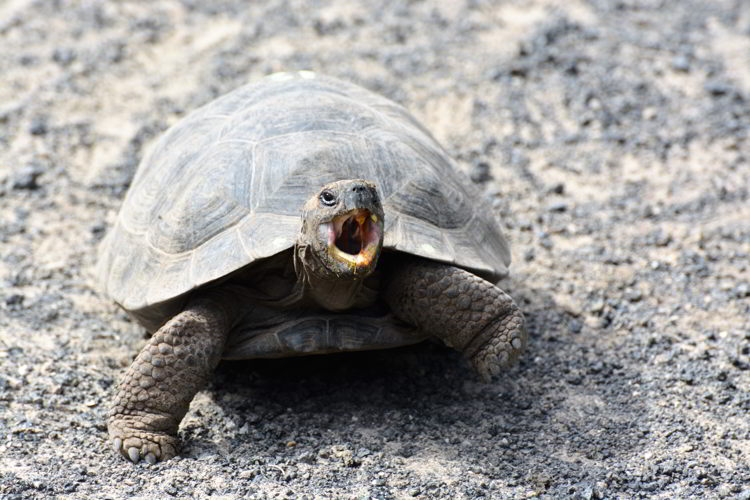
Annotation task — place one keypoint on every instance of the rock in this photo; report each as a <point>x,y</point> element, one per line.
<point>480,172</point>
<point>27,176</point>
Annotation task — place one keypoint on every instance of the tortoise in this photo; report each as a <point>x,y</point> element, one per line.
<point>292,216</point>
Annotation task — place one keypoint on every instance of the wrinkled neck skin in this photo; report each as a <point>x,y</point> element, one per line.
<point>320,286</point>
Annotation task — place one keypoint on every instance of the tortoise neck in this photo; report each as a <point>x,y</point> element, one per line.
<point>330,292</point>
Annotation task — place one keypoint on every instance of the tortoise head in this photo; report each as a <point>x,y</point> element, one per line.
<point>342,230</point>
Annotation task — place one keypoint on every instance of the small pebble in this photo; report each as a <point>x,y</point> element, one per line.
<point>681,63</point>
<point>38,126</point>
<point>718,89</point>
<point>26,177</point>
<point>597,307</point>
<point>15,299</point>
<point>63,56</point>
<point>558,188</point>
<point>480,172</point>
<point>558,207</point>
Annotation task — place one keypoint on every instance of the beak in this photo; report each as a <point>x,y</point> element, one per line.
<point>360,196</point>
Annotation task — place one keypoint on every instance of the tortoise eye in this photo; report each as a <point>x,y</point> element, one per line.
<point>327,198</point>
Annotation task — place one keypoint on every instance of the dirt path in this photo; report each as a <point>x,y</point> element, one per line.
<point>615,138</point>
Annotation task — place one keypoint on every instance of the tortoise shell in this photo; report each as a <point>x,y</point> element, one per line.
<point>225,186</point>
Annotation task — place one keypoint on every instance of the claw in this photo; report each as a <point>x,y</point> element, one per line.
<point>136,445</point>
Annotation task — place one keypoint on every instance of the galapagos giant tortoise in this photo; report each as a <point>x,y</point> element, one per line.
<point>296,215</point>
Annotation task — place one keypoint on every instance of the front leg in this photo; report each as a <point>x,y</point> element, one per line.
<point>466,312</point>
<point>154,395</point>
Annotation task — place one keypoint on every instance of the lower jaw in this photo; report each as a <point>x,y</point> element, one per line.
<point>360,264</point>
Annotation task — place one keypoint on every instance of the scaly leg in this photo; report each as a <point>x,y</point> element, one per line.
<point>178,360</point>
<point>466,312</point>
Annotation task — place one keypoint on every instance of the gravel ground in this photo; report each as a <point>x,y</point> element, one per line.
<point>612,137</point>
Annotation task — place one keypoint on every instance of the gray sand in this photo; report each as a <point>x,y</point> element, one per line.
<point>612,137</point>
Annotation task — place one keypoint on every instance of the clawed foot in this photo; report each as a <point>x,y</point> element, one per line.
<point>500,351</point>
<point>136,444</point>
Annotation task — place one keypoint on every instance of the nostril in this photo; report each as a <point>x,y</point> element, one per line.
<point>358,189</point>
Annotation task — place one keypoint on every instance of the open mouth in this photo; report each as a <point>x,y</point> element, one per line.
<point>353,238</point>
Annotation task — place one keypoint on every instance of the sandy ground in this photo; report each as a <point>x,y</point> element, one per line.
<point>612,137</point>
